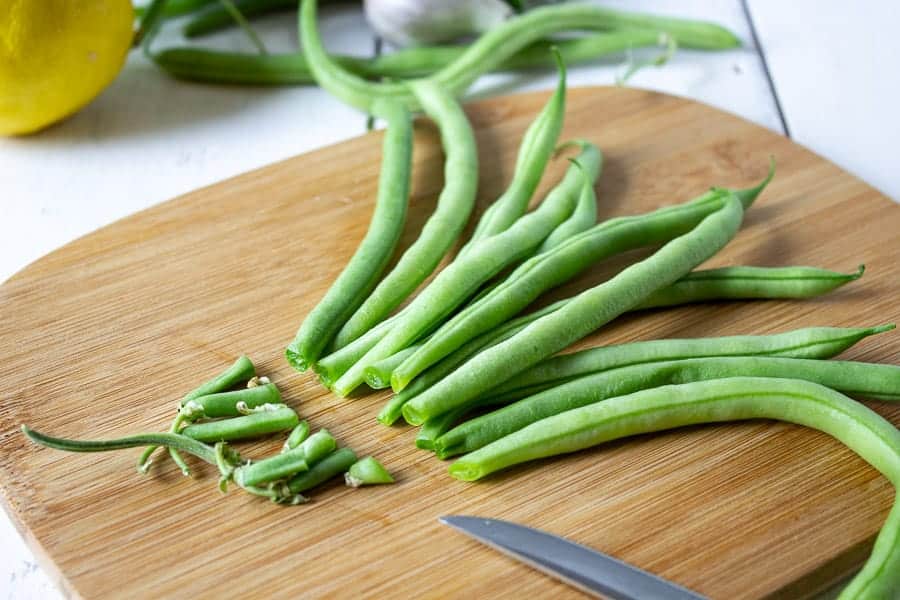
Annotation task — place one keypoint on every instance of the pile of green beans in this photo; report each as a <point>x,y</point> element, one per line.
<point>582,315</point>
<point>462,278</point>
<point>720,400</point>
<point>254,411</point>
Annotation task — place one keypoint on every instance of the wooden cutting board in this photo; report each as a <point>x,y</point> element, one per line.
<point>101,337</point>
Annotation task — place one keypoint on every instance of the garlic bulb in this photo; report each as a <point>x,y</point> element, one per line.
<point>423,22</point>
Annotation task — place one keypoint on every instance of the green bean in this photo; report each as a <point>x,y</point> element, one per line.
<point>462,278</point>
<point>331,466</point>
<point>582,218</point>
<point>443,227</point>
<point>378,374</point>
<point>754,282</point>
<point>498,45</point>
<point>218,17</point>
<point>230,404</point>
<point>367,471</point>
<point>374,252</point>
<point>810,342</point>
<point>272,468</point>
<point>435,427</point>
<point>175,8</point>
<point>552,268</point>
<point>239,428</point>
<point>215,66</point>
<point>317,446</point>
<point>169,440</point>
<point>874,381</point>
<point>583,314</point>
<point>861,429</point>
<point>297,436</point>
<point>535,150</point>
<point>239,372</point>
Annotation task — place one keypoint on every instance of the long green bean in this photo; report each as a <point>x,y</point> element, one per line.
<point>585,313</point>
<point>462,278</point>
<point>549,269</point>
<point>455,204</point>
<point>497,45</point>
<point>218,66</point>
<point>361,274</point>
<point>870,380</point>
<point>535,150</point>
<point>750,282</point>
<point>862,430</point>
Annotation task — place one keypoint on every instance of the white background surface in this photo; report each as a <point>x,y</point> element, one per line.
<point>833,67</point>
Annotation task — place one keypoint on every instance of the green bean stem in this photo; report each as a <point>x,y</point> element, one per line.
<point>549,269</point>
<point>297,436</point>
<point>870,380</point>
<point>454,206</point>
<point>535,150</point>
<point>245,427</point>
<point>460,280</point>
<point>365,267</point>
<point>216,66</point>
<point>241,371</point>
<point>498,45</point>
<point>272,468</point>
<point>317,446</point>
<point>733,399</point>
<point>168,440</point>
<point>229,404</point>
<point>367,471</point>
<point>583,314</point>
<point>331,466</point>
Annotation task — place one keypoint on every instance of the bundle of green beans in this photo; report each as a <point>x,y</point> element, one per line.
<point>230,414</point>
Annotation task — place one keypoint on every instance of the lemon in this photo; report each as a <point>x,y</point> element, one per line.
<point>56,56</point>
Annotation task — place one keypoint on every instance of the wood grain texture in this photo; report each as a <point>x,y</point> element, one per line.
<point>101,338</point>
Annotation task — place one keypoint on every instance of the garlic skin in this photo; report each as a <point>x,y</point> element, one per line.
<point>426,22</point>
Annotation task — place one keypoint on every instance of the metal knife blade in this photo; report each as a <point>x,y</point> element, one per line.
<point>588,570</point>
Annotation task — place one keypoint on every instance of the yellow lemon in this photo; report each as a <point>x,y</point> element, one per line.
<point>56,56</point>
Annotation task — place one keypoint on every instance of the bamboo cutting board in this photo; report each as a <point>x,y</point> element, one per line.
<point>101,337</point>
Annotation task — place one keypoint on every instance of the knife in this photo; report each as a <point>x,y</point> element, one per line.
<point>588,570</point>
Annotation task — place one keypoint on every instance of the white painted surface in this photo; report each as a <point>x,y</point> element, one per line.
<point>835,67</point>
<point>148,138</point>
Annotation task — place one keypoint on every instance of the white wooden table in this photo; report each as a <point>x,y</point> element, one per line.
<point>822,72</point>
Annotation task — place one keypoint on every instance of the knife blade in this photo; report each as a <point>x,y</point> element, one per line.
<point>590,571</point>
